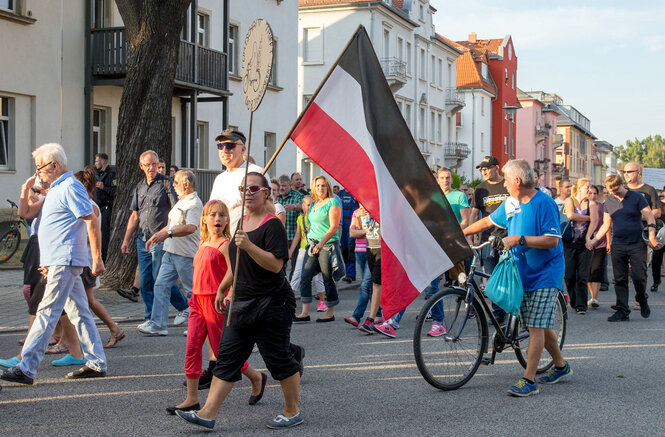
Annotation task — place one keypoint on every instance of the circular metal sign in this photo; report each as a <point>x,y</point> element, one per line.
<point>257,58</point>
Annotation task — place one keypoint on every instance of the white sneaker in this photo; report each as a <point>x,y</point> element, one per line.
<point>182,317</point>
<point>185,333</point>
<point>144,324</point>
<point>151,330</point>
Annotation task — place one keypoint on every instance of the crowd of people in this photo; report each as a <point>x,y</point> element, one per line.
<point>233,267</point>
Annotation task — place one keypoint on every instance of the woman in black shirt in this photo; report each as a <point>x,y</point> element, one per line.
<point>261,313</point>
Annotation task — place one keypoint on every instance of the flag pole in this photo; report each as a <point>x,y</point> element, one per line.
<point>316,93</point>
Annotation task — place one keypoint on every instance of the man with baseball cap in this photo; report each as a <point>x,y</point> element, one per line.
<point>487,197</point>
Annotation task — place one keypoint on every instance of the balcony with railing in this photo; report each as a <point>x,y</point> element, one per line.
<point>109,61</point>
<point>456,150</point>
<point>454,101</point>
<point>395,71</point>
<point>557,168</point>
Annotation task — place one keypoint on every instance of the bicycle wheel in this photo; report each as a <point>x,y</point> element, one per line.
<point>9,244</point>
<point>449,361</point>
<point>522,341</point>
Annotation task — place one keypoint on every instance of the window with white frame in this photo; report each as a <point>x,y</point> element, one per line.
<point>432,79</point>
<point>203,29</point>
<point>202,143</point>
<point>99,131</point>
<point>439,81</point>
<point>6,146</point>
<point>423,64</point>
<point>407,114</point>
<point>505,145</point>
<point>273,73</point>
<point>482,105</point>
<point>482,141</point>
<point>506,78</point>
<point>483,69</point>
<point>439,128</point>
<point>100,13</point>
<point>421,13</point>
<point>513,80</point>
<point>432,126</point>
<point>451,80</point>
<point>400,48</point>
<point>233,49</point>
<point>269,142</point>
<point>312,45</point>
<point>505,113</point>
<point>386,43</point>
<point>8,5</point>
<point>421,127</point>
<point>408,58</point>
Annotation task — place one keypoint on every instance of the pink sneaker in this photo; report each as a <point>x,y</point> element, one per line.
<point>386,329</point>
<point>379,320</point>
<point>351,321</point>
<point>437,330</point>
<point>321,307</point>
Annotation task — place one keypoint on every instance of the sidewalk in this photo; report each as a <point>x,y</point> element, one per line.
<point>14,310</point>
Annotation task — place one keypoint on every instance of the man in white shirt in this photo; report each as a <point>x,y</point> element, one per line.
<point>231,146</point>
<point>181,240</point>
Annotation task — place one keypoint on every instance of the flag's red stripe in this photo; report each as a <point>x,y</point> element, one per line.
<point>397,292</point>
<point>346,160</point>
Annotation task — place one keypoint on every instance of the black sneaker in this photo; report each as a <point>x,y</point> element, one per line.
<point>128,294</point>
<point>348,279</point>
<point>604,287</point>
<point>618,317</point>
<point>645,311</point>
<point>205,379</point>
<point>16,375</point>
<point>654,287</point>
<point>580,311</point>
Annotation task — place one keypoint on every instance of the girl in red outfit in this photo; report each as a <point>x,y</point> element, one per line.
<point>210,264</point>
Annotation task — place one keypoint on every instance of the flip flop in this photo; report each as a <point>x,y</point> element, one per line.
<point>115,339</point>
<point>57,349</point>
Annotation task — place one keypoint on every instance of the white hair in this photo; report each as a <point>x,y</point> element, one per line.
<point>521,169</point>
<point>51,152</point>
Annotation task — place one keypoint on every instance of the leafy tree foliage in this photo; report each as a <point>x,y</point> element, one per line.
<point>649,151</point>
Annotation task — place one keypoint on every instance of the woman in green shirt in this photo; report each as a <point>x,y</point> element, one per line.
<point>323,237</point>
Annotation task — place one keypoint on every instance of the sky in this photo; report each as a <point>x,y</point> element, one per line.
<point>605,58</point>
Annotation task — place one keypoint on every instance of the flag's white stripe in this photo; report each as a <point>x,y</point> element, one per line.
<point>419,253</point>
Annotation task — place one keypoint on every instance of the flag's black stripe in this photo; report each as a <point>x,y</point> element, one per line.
<point>399,151</point>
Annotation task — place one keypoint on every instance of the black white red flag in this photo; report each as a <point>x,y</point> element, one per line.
<point>354,131</point>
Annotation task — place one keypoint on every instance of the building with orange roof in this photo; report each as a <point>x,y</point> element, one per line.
<point>474,122</point>
<point>503,71</point>
<point>419,64</point>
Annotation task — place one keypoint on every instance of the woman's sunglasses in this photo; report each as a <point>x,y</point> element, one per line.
<point>251,189</point>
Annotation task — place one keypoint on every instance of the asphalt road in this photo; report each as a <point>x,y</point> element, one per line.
<point>356,384</point>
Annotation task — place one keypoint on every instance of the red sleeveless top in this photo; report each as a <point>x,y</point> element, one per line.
<point>209,270</point>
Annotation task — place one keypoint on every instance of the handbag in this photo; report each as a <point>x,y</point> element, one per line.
<point>567,231</point>
<point>504,287</point>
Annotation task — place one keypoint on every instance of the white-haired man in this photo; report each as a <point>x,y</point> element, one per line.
<point>67,222</point>
<point>532,220</point>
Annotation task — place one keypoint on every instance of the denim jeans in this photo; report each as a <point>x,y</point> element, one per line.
<point>149,263</point>
<point>64,289</point>
<point>313,264</point>
<point>297,271</point>
<point>394,320</point>
<point>365,287</point>
<point>437,310</point>
<point>173,267</point>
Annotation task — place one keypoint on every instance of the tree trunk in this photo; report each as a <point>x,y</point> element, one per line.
<point>144,121</point>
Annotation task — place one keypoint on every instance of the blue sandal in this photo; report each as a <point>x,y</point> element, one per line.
<point>68,360</point>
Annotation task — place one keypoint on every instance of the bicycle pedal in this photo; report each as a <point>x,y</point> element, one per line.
<point>485,361</point>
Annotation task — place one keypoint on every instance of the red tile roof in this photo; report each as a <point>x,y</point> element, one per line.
<point>486,45</point>
<point>469,69</point>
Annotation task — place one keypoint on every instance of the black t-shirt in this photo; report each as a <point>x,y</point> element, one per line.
<point>649,194</point>
<point>626,217</point>
<point>487,197</point>
<point>253,280</point>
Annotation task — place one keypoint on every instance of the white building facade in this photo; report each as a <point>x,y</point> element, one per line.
<point>419,65</point>
<point>43,96</point>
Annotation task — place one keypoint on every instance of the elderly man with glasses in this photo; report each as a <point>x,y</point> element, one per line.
<point>67,222</point>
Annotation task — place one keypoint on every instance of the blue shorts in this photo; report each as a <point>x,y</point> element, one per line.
<point>538,307</point>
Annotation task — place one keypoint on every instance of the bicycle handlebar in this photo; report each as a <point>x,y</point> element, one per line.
<point>12,204</point>
<point>491,240</point>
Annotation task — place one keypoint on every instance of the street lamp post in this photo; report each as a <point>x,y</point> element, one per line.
<point>510,111</point>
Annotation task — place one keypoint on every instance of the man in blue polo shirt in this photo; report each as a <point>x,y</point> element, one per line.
<point>67,221</point>
<point>532,220</point>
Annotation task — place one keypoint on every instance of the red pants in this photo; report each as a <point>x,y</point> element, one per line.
<point>204,322</point>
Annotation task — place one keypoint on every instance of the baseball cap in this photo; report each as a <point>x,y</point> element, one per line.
<point>231,135</point>
<point>488,161</point>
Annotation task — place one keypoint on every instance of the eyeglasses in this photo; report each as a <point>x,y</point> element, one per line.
<point>629,171</point>
<point>42,167</point>
<point>251,189</point>
<point>227,146</point>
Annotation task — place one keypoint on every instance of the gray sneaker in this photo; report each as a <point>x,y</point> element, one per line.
<point>282,421</point>
<point>152,330</point>
<point>182,317</point>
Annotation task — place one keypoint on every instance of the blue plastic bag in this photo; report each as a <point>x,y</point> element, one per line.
<point>504,287</point>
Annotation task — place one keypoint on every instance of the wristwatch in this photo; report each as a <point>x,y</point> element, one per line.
<point>171,233</point>
<point>522,241</point>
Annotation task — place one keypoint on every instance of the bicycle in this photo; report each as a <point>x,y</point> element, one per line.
<point>450,361</point>
<point>10,239</point>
